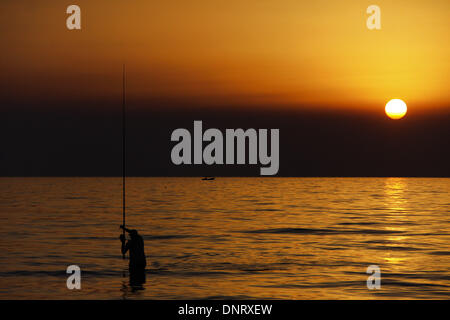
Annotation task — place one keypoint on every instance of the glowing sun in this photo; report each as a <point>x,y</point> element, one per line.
<point>395,109</point>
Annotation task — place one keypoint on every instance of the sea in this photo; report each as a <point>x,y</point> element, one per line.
<point>228,238</point>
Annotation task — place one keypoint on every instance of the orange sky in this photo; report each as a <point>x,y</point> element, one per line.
<point>296,53</point>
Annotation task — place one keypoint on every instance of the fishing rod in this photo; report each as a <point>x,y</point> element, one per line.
<point>123,153</point>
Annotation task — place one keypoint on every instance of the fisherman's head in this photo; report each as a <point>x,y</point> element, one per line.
<point>133,233</point>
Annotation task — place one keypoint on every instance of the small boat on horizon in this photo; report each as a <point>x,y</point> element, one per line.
<point>208,178</point>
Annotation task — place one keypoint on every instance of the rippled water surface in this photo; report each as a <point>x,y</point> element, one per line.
<point>281,238</point>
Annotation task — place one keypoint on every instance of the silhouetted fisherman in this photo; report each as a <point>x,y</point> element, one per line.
<point>137,256</point>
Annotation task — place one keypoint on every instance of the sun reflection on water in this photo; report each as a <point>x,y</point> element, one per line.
<point>394,190</point>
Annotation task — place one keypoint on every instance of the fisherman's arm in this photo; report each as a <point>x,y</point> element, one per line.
<point>124,228</point>
<point>125,246</point>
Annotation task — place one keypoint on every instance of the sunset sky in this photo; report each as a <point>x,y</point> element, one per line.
<point>312,69</point>
<point>277,53</point>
